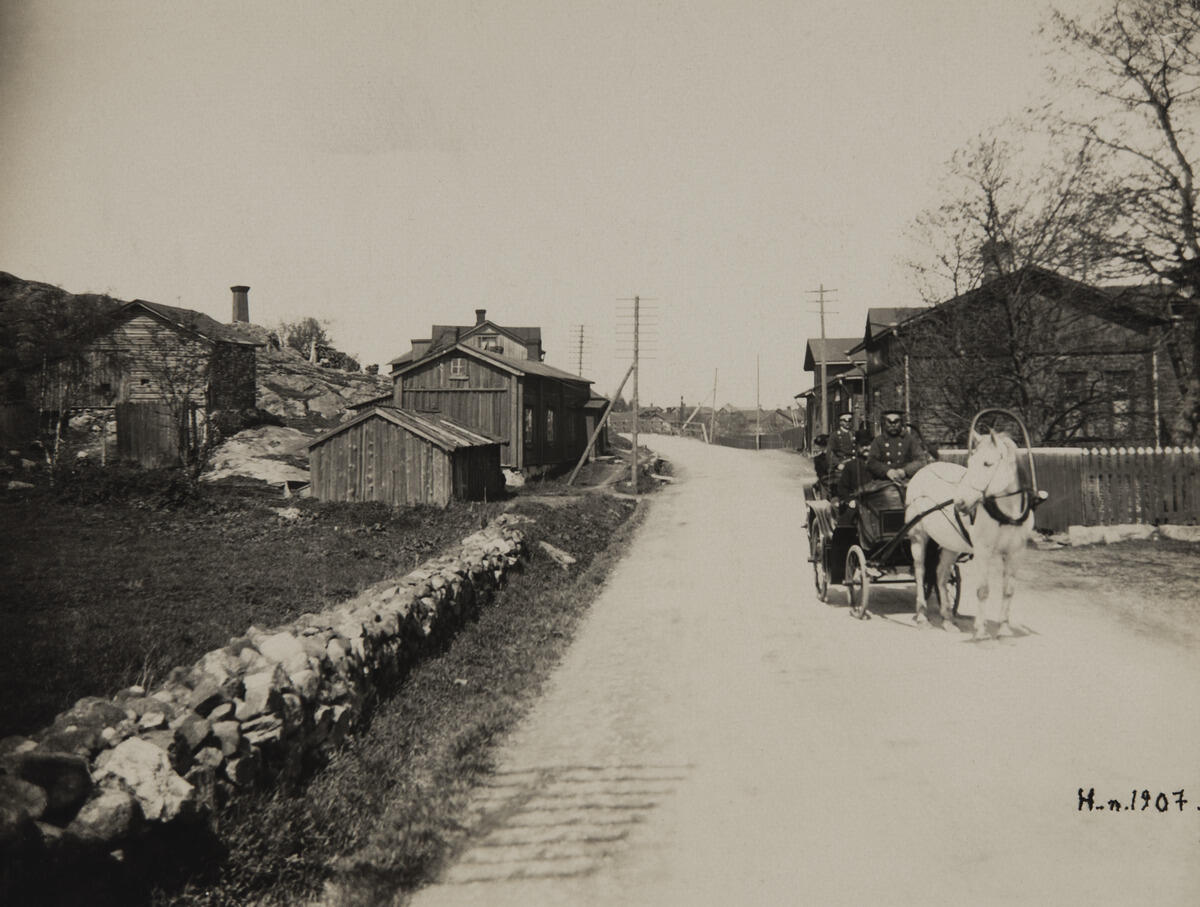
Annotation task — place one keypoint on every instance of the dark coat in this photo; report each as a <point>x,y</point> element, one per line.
<point>841,446</point>
<point>903,452</point>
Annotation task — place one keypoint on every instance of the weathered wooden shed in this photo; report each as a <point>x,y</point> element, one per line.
<point>403,457</point>
<point>535,409</point>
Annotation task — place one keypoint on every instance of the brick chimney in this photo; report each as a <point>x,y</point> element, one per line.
<point>241,305</point>
<point>480,316</point>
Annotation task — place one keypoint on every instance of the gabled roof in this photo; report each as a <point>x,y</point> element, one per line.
<point>187,320</point>
<point>513,366</point>
<point>444,336</point>
<point>440,430</point>
<point>834,350</point>
<point>1121,305</point>
<point>884,319</point>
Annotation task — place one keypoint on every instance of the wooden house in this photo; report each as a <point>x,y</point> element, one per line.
<point>1079,363</point>
<point>155,353</point>
<point>402,458</point>
<point>484,334</point>
<point>539,412</point>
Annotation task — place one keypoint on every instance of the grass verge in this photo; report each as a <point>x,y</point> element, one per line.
<point>385,814</point>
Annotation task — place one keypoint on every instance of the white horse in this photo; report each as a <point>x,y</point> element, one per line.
<point>988,488</point>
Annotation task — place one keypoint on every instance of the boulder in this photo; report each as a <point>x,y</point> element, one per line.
<point>19,798</point>
<point>106,820</point>
<point>145,770</point>
<point>65,777</point>
<point>264,690</point>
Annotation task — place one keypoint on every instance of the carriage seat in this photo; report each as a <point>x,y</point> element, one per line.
<point>880,511</point>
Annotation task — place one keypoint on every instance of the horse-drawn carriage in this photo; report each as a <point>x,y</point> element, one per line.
<point>887,533</point>
<point>863,542</point>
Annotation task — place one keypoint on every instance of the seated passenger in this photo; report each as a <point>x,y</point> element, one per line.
<point>855,474</point>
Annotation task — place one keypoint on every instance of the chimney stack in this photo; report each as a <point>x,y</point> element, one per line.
<point>241,305</point>
<point>480,316</point>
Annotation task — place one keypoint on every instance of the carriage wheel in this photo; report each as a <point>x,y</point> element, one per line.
<point>817,554</point>
<point>858,582</point>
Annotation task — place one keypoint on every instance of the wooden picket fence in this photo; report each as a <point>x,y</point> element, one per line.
<point>1113,485</point>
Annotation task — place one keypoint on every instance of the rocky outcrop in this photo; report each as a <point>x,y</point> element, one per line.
<point>258,711</point>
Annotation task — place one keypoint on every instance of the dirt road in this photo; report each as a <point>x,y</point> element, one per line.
<point>717,736</point>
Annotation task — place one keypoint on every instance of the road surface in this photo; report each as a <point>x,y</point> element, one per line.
<point>716,735</point>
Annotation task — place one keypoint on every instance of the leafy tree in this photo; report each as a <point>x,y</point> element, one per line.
<point>301,335</point>
<point>1129,80</point>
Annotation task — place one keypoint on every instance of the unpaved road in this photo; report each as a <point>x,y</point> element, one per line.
<point>717,736</point>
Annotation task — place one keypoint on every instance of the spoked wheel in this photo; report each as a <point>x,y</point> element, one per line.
<point>820,570</point>
<point>858,582</point>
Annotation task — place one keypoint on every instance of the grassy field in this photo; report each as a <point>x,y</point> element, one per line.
<point>108,582</point>
<point>104,586</point>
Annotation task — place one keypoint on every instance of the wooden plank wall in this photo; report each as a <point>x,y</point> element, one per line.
<point>379,461</point>
<point>1111,486</point>
<point>148,434</point>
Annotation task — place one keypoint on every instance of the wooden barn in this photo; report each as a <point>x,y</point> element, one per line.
<point>539,412</point>
<point>401,457</point>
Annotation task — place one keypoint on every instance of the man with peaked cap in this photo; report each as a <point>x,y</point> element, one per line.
<point>855,474</point>
<point>841,443</point>
<point>895,454</point>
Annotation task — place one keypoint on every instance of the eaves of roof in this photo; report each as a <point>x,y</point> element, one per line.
<point>440,430</point>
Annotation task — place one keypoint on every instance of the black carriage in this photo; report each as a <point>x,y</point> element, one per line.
<point>864,541</point>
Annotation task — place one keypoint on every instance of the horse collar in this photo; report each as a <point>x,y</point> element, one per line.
<point>989,505</point>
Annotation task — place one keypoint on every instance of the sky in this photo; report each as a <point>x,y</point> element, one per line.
<point>384,166</point>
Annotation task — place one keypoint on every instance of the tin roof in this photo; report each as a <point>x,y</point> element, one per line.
<point>440,430</point>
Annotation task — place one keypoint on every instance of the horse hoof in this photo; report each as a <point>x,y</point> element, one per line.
<point>920,620</point>
<point>949,625</point>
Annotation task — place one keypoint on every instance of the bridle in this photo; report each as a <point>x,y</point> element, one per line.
<point>1030,497</point>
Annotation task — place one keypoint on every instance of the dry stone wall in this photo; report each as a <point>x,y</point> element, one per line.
<point>255,712</point>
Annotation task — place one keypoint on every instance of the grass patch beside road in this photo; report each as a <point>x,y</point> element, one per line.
<point>387,811</point>
<point>103,585</point>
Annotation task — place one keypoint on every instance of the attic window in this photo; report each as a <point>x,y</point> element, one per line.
<point>458,368</point>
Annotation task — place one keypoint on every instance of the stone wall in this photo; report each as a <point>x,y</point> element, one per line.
<point>257,712</point>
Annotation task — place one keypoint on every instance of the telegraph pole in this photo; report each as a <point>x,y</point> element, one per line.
<point>579,348</point>
<point>824,386</point>
<point>637,302</point>
<point>636,367</point>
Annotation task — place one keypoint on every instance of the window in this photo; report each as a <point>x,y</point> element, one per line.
<point>528,426</point>
<point>458,368</point>
<point>1118,387</point>
<point>549,426</point>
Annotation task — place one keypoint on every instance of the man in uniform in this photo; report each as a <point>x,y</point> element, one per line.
<point>841,443</point>
<point>895,454</point>
<point>855,475</point>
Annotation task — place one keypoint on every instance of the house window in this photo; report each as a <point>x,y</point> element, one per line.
<point>549,426</point>
<point>528,426</point>
<point>1075,403</point>
<point>1117,386</point>
<point>458,368</point>
<point>491,343</point>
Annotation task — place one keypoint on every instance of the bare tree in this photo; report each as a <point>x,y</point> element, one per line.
<point>1134,72</point>
<point>1015,222</point>
<point>180,369</point>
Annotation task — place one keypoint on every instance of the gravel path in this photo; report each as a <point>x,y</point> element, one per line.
<point>717,736</point>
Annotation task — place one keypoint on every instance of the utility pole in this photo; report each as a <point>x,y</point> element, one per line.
<point>712,419</point>
<point>636,367</point>
<point>579,347</point>
<point>824,385</point>
<point>633,460</point>
<point>757,400</point>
